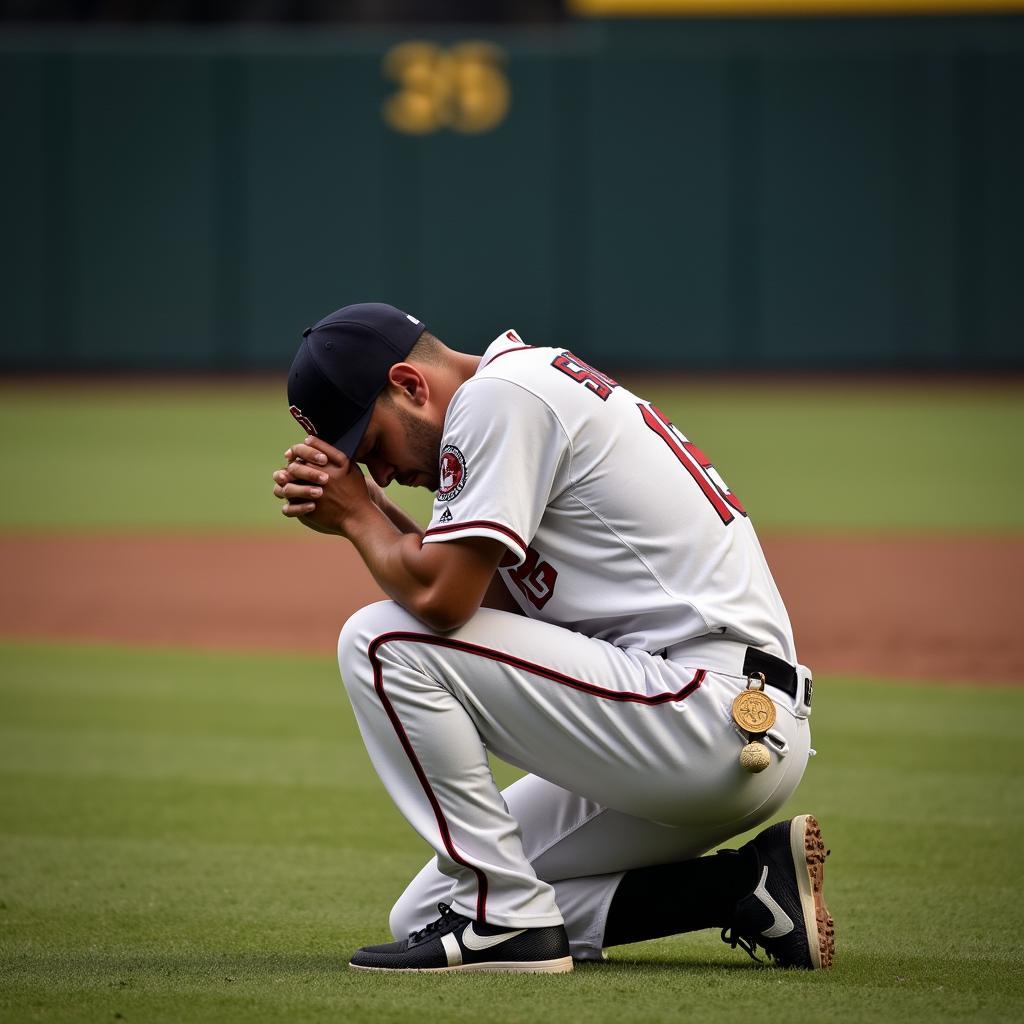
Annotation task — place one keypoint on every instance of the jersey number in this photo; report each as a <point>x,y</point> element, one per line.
<point>536,579</point>
<point>696,463</point>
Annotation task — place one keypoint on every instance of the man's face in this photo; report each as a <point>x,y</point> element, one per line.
<point>400,444</point>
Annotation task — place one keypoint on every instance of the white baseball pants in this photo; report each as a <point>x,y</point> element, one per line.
<point>634,761</point>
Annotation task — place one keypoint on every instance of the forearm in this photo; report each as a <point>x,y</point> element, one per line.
<point>441,584</point>
<point>399,517</point>
<point>396,559</point>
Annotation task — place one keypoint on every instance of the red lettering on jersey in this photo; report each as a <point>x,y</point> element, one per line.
<point>705,463</point>
<point>593,380</point>
<point>536,579</point>
<point>696,463</point>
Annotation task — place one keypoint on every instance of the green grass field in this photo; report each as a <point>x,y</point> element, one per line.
<point>832,457</point>
<point>193,837</point>
<point>197,837</point>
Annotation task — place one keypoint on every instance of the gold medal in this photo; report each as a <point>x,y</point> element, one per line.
<point>753,710</point>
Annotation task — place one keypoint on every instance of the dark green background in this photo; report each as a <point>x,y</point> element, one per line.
<point>780,193</point>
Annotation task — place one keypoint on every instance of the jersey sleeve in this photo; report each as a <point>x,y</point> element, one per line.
<point>504,454</point>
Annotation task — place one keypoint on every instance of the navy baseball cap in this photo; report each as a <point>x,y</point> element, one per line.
<point>342,366</point>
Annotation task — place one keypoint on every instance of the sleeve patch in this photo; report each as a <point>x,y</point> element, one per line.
<point>453,473</point>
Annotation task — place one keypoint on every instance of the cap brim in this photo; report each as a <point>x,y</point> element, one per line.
<point>349,441</point>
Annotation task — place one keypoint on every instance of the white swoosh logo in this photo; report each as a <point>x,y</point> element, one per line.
<point>476,942</point>
<point>783,923</point>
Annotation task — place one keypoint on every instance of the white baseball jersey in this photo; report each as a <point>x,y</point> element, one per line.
<point>617,526</point>
<point>623,542</point>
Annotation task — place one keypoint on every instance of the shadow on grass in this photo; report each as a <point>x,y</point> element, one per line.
<point>128,970</point>
<point>627,963</point>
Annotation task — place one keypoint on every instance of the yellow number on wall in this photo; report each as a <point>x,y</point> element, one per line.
<point>463,88</point>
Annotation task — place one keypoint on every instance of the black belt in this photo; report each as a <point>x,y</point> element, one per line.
<point>776,672</point>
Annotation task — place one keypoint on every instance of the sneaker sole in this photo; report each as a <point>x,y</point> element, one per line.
<point>808,850</point>
<point>560,966</point>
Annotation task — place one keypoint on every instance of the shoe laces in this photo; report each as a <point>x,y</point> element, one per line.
<point>748,943</point>
<point>448,920</point>
<point>731,935</point>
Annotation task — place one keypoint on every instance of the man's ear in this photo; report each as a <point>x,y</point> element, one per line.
<point>409,380</point>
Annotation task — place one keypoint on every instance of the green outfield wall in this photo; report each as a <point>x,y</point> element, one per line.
<point>769,193</point>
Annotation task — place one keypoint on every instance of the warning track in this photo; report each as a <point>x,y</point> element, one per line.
<point>944,608</point>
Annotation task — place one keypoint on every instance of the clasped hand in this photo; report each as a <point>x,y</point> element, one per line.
<point>322,487</point>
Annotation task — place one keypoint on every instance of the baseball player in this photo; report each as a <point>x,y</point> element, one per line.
<point>590,603</point>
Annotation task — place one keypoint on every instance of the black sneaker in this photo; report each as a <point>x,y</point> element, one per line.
<point>786,913</point>
<point>457,943</point>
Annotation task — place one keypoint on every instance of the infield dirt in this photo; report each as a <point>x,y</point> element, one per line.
<point>939,608</point>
